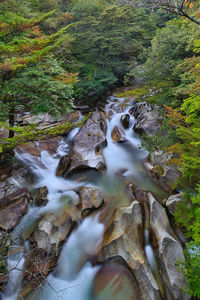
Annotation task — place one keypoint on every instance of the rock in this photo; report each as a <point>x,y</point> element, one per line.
<point>117,135</point>
<point>39,196</point>
<point>45,120</point>
<point>126,240</point>
<point>12,208</point>
<point>83,108</point>
<point>170,251</point>
<point>35,148</point>
<point>88,144</point>
<point>39,264</point>
<point>115,281</point>
<point>148,119</point>
<point>91,198</point>
<point>172,202</point>
<point>52,229</point>
<point>125,120</point>
<point>63,165</point>
<point>162,171</point>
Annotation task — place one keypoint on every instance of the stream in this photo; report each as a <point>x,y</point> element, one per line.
<point>74,273</point>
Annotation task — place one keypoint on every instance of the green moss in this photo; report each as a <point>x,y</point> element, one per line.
<point>137,93</point>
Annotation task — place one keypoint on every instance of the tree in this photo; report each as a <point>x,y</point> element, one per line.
<point>25,72</point>
<point>108,37</point>
<point>184,8</point>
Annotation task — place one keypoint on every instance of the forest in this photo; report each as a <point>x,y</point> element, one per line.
<point>58,55</point>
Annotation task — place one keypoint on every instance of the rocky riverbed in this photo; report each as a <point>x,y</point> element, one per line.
<point>88,216</point>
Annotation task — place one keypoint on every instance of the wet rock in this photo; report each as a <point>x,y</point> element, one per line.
<point>39,196</point>
<point>125,120</point>
<point>91,198</point>
<point>103,122</point>
<point>170,251</point>
<point>88,144</point>
<point>52,230</point>
<point>115,281</point>
<point>126,240</point>
<point>148,119</point>
<point>117,135</point>
<point>12,208</point>
<point>63,165</point>
<point>172,202</point>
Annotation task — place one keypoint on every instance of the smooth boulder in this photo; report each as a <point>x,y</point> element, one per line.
<point>170,250</point>
<point>88,144</point>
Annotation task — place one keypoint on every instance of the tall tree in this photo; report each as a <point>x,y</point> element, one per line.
<point>27,79</point>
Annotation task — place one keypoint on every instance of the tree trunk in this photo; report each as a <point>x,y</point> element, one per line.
<point>11,122</point>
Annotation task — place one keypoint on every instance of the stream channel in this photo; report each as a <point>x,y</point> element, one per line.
<point>82,255</point>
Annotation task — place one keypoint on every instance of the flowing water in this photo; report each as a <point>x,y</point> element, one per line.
<point>73,275</point>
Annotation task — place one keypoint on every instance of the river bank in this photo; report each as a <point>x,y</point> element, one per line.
<point>95,211</point>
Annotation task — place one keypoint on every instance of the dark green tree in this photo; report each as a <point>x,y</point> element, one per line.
<point>29,81</point>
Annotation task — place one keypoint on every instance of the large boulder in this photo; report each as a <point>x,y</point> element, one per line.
<point>148,118</point>
<point>126,240</point>
<point>12,208</point>
<point>88,144</point>
<point>170,251</point>
<point>115,281</point>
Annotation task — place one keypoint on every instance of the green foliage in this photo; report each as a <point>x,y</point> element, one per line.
<point>38,89</point>
<point>188,215</point>
<point>94,84</point>
<point>170,46</point>
<point>190,268</point>
<point>108,38</point>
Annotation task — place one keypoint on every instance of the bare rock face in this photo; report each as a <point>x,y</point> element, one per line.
<point>126,240</point>
<point>148,119</point>
<point>115,281</point>
<point>88,144</point>
<point>170,251</point>
<point>52,230</point>
<point>117,135</point>
<point>12,208</point>
<point>173,201</point>
<point>35,148</point>
<point>45,121</point>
